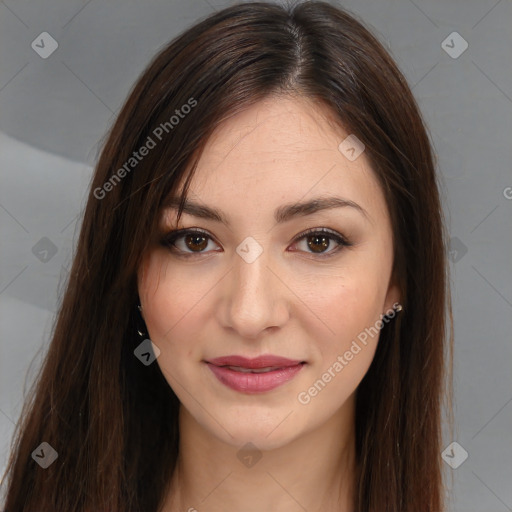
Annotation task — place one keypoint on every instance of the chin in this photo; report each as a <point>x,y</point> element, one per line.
<point>259,437</point>
<point>265,431</point>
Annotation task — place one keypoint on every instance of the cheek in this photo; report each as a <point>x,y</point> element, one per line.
<point>349,301</point>
<point>350,307</point>
<point>171,303</point>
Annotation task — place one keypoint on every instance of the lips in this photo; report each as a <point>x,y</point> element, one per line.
<point>265,361</point>
<point>257,375</point>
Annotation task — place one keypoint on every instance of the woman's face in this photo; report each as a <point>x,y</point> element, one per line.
<point>255,286</point>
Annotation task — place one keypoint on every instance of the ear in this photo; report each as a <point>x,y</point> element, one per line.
<point>393,297</point>
<point>141,273</point>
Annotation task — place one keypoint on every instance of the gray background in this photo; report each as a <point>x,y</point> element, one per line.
<point>54,112</point>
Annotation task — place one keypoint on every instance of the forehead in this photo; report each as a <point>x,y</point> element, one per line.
<point>282,148</point>
<point>274,127</point>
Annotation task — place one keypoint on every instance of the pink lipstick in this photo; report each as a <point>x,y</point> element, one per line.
<point>258,375</point>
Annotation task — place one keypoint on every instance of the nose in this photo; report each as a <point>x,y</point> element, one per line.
<point>256,299</point>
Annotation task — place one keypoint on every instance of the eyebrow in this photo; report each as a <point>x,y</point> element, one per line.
<point>282,214</point>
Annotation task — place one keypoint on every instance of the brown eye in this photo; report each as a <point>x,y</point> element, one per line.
<point>194,242</point>
<point>187,242</point>
<point>317,243</point>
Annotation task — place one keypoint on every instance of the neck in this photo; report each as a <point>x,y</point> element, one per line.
<point>315,471</point>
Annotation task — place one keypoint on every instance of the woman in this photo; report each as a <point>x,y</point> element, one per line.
<point>281,347</point>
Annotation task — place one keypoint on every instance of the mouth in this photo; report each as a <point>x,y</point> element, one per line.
<point>258,375</point>
<point>253,370</point>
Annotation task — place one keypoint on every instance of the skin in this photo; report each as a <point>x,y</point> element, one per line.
<point>288,302</point>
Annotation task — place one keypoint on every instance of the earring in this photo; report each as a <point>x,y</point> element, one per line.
<point>392,312</point>
<point>142,332</point>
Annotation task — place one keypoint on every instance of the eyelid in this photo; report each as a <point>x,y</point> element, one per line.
<point>169,239</point>
<point>326,231</point>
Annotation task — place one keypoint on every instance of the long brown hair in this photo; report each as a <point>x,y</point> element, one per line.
<point>113,420</point>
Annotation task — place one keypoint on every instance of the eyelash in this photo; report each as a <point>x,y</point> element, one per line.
<point>170,239</point>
